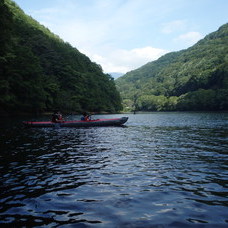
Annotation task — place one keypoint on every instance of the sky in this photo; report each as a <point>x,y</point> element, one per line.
<point>123,35</point>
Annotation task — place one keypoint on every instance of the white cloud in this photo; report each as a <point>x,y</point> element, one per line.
<point>122,60</point>
<point>107,31</point>
<point>100,35</point>
<point>173,26</point>
<point>189,38</point>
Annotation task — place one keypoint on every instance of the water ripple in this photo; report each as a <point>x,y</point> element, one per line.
<point>164,168</point>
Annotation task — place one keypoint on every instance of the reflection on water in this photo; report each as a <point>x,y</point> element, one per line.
<point>163,168</point>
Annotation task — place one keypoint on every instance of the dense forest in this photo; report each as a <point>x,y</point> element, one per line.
<point>191,79</point>
<point>39,72</point>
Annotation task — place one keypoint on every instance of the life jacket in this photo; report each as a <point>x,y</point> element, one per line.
<point>54,118</point>
<point>85,118</point>
<point>60,117</point>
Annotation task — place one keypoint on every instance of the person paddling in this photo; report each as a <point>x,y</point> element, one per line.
<point>57,117</point>
<point>85,117</point>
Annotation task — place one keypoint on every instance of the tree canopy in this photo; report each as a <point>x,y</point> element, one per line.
<point>191,79</point>
<point>40,72</point>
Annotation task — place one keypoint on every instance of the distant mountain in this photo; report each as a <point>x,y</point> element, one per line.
<point>116,75</point>
<point>191,79</point>
<point>40,72</point>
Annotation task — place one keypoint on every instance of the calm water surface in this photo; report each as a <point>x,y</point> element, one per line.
<point>162,168</point>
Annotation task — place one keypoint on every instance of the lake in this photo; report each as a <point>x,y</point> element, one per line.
<point>160,169</point>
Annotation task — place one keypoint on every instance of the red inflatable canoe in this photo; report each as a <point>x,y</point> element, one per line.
<point>79,123</point>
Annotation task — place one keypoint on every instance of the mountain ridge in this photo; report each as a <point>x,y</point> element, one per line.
<point>175,80</point>
<point>40,72</point>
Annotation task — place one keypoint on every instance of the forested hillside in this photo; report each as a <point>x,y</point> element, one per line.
<point>191,79</point>
<point>39,72</point>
